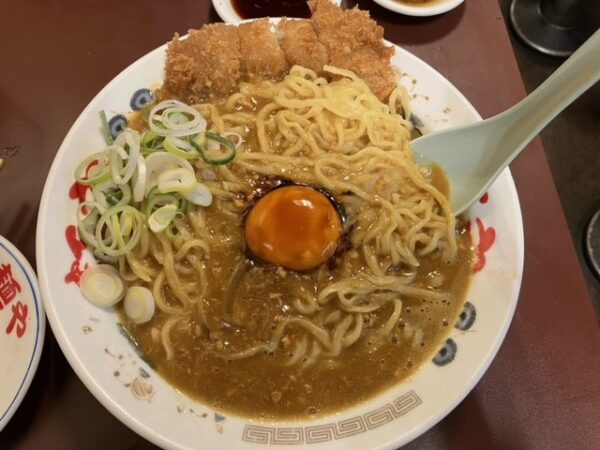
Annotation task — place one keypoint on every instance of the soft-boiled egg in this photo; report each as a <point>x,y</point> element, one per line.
<point>296,227</point>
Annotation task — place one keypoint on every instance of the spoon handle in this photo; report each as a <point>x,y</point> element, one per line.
<point>528,117</point>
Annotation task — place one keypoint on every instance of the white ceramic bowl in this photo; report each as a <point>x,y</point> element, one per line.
<point>129,388</point>
<point>227,13</point>
<point>431,8</point>
<point>22,326</point>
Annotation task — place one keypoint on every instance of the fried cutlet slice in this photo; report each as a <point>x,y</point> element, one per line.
<point>374,70</point>
<point>330,24</point>
<point>261,55</point>
<point>180,71</point>
<point>355,42</point>
<point>204,66</point>
<point>301,45</point>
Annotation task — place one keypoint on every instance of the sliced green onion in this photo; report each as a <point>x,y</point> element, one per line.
<point>96,174</point>
<point>139,180</point>
<point>172,231</point>
<point>200,195</point>
<point>110,194</point>
<point>114,198</point>
<point>198,140</point>
<point>215,157</point>
<point>150,142</point>
<point>158,162</point>
<point>139,305</point>
<point>176,180</point>
<point>124,155</point>
<point>105,128</point>
<point>116,235</point>
<point>162,217</point>
<point>86,222</point>
<point>179,147</point>
<point>104,258</point>
<point>175,118</point>
<point>102,285</point>
<point>155,200</point>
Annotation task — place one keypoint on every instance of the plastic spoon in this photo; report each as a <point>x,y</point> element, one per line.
<point>474,155</point>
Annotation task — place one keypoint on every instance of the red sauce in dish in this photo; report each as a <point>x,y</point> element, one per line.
<point>252,9</point>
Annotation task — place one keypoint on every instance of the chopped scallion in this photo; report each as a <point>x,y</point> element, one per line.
<point>105,128</point>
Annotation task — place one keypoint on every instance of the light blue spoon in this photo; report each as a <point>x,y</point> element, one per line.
<point>474,155</point>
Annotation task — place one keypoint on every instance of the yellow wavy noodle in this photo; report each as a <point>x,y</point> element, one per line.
<point>337,135</point>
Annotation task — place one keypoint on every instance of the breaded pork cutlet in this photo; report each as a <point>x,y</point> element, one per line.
<point>355,42</point>
<point>210,63</point>
<point>301,45</point>
<point>261,55</point>
<point>204,66</point>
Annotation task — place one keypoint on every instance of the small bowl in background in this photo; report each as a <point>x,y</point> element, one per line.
<point>428,8</point>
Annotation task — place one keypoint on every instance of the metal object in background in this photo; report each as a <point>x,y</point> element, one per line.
<point>553,27</point>
<point>591,243</point>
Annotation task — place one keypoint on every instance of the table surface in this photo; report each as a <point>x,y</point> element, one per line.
<point>543,388</point>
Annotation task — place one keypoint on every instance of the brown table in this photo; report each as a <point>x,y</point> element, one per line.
<point>543,388</point>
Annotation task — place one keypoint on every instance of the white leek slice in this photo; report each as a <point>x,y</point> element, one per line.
<point>87,217</point>
<point>162,217</point>
<point>123,162</point>
<point>139,180</point>
<point>200,195</point>
<point>176,180</point>
<point>175,118</point>
<point>119,230</point>
<point>158,162</point>
<point>139,304</point>
<point>94,169</point>
<point>102,285</point>
<point>180,147</point>
<point>108,194</point>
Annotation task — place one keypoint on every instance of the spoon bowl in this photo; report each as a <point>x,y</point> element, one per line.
<point>473,156</point>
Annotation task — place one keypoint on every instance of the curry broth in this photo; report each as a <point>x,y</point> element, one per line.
<point>263,386</point>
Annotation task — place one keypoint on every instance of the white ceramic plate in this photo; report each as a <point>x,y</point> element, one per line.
<point>228,14</point>
<point>108,365</point>
<point>430,8</point>
<point>22,326</point>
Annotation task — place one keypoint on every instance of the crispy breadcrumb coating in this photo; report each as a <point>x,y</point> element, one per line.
<point>204,66</point>
<point>301,46</point>
<point>211,62</point>
<point>261,55</point>
<point>355,42</point>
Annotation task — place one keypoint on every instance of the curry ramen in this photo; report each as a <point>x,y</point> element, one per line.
<point>279,252</point>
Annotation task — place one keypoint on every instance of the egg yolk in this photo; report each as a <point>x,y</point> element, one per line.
<point>296,227</point>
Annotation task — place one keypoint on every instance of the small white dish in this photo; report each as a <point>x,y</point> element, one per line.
<point>429,8</point>
<point>227,13</point>
<point>22,326</point>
